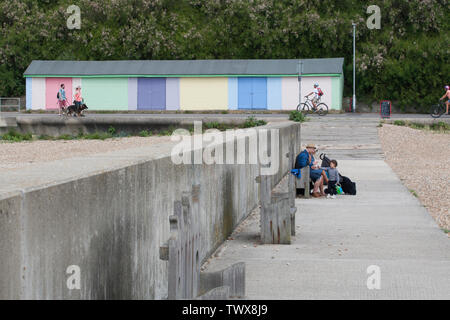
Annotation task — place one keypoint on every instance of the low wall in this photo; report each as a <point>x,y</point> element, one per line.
<point>7,124</point>
<point>109,214</point>
<point>55,126</point>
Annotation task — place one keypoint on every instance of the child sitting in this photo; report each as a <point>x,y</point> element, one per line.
<point>333,179</point>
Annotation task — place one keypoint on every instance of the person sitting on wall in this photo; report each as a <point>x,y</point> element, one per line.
<point>317,175</point>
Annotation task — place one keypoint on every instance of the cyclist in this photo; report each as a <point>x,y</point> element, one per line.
<point>447,95</point>
<point>317,94</point>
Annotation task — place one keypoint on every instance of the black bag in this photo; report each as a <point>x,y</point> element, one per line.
<point>325,160</point>
<point>57,95</point>
<point>348,186</point>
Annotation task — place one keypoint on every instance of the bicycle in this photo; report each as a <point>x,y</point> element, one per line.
<point>307,107</point>
<point>438,110</point>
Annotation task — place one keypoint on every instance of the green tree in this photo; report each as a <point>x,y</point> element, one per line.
<point>406,61</point>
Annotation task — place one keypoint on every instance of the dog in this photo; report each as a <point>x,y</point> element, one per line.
<point>76,112</point>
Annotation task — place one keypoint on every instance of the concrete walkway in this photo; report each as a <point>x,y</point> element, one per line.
<point>337,240</point>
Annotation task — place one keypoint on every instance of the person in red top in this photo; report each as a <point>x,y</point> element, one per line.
<point>78,98</point>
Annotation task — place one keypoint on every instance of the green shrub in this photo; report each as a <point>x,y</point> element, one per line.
<point>251,122</point>
<point>65,137</point>
<point>297,116</point>
<point>97,136</point>
<point>212,125</point>
<point>405,61</point>
<point>14,136</point>
<point>112,130</point>
<point>216,125</point>
<point>399,123</point>
<point>440,126</point>
<point>145,133</point>
<point>45,137</point>
<point>416,125</point>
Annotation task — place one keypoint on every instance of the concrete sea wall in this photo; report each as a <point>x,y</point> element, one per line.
<point>108,214</point>
<point>56,126</point>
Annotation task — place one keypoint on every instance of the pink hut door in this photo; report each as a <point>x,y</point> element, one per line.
<point>52,86</point>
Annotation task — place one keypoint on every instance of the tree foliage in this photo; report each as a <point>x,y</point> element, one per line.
<point>406,61</point>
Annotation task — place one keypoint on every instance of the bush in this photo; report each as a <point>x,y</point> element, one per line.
<point>405,61</point>
<point>416,125</point>
<point>112,130</point>
<point>144,133</point>
<point>65,137</point>
<point>297,116</point>
<point>212,125</point>
<point>440,126</point>
<point>97,136</point>
<point>14,136</point>
<point>45,137</point>
<point>399,123</point>
<point>251,122</point>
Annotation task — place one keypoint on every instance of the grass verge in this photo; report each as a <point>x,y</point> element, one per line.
<point>14,136</point>
<point>440,126</point>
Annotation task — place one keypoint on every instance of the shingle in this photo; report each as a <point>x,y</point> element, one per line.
<point>185,67</point>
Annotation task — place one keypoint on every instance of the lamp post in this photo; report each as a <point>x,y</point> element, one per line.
<point>300,72</point>
<point>354,67</point>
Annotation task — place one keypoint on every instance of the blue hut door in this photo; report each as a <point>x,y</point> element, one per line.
<point>151,94</point>
<point>252,93</point>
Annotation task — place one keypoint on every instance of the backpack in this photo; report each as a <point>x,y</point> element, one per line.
<point>325,160</point>
<point>57,95</point>
<point>320,92</point>
<point>348,186</point>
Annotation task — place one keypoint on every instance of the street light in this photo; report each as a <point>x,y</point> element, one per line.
<point>300,72</point>
<point>354,67</point>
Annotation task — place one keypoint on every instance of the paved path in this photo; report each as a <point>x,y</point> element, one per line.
<point>92,114</point>
<point>337,240</point>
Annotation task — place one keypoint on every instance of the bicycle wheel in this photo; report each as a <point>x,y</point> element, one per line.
<point>437,110</point>
<point>304,108</point>
<point>322,109</point>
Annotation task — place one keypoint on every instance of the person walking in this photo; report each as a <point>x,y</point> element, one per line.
<point>62,100</point>
<point>78,98</point>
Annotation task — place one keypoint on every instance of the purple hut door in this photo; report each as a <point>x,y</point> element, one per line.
<point>151,94</point>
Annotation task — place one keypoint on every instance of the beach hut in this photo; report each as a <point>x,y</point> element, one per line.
<point>195,85</point>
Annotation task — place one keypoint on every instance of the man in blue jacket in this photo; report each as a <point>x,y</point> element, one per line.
<point>306,158</point>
